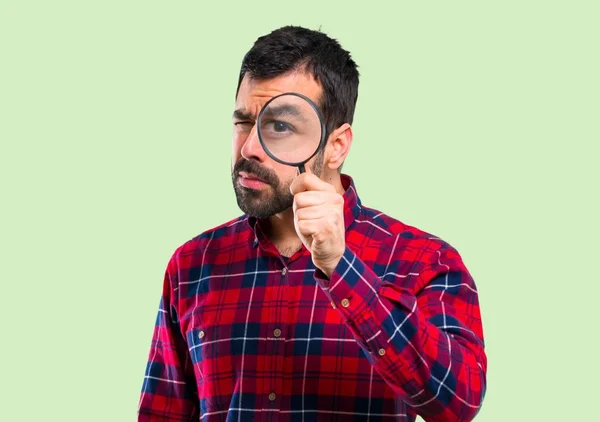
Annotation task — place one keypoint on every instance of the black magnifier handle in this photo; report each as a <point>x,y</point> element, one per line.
<point>301,168</point>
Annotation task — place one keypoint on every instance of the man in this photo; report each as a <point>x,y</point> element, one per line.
<point>311,306</point>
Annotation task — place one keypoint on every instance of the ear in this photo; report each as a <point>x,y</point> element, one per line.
<point>338,146</point>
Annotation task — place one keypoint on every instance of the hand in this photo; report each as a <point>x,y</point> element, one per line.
<point>319,220</point>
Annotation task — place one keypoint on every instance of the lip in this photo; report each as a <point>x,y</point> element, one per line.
<point>250,176</point>
<point>250,181</point>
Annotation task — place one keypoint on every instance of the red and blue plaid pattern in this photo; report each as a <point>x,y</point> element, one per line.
<point>243,334</point>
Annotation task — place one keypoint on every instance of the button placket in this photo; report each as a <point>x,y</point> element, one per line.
<point>277,328</point>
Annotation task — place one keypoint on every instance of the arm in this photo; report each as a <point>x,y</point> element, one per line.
<point>169,387</point>
<point>427,341</point>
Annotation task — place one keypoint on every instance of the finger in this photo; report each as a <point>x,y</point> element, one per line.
<point>310,199</point>
<point>308,227</point>
<point>332,201</point>
<point>309,182</point>
<point>311,213</point>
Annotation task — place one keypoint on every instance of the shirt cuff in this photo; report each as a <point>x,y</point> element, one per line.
<point>353,289</point>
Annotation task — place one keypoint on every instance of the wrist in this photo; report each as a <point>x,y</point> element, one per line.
<point>329,267</point>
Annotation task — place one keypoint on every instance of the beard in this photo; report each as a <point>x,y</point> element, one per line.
<point>276,198</point>
<point>261,203</point>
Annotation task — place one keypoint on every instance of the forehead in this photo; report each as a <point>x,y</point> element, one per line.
<point>254,93</point>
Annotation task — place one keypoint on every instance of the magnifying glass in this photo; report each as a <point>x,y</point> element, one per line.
<point>291,129</point>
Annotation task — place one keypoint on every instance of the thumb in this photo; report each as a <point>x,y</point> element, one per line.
<point>298,184</point>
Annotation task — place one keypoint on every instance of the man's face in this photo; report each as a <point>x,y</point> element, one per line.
<point>261,184</point>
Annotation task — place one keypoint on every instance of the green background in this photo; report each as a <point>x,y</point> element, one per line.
<point>476,121</point>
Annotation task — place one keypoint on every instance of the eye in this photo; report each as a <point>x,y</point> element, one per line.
<point>277,128</point>
<point>280,126</point>
<point>245,126</point>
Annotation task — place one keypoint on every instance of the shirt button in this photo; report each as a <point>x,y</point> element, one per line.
<point>345,303</point>
<point>272,396</point>
<point>276,332</point>
<point>284,271</point>
<point>201,334</point>
<point>381,352</point>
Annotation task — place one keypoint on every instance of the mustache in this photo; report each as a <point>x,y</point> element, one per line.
<point>253,167</point>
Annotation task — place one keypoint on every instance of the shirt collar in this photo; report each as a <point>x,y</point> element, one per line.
<point>352,208</point>
<point>352,204</point>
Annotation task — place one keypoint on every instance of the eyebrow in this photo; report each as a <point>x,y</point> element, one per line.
<point>271,112</point>
<point>283,109</point>
<point>277,111</point>
<point>242,114</point>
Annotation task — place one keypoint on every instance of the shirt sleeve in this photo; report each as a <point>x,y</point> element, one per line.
<point>169,391</point>
<point>426,340</point>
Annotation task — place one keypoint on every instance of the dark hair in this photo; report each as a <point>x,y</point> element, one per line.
<point>292,48</point>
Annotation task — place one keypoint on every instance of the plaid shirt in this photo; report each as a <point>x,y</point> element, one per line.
<point>244,334</point>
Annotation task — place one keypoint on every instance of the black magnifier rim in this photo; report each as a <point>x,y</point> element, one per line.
<point>321,120</point>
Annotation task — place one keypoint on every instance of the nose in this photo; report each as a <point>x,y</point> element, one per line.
<point>252,149</point>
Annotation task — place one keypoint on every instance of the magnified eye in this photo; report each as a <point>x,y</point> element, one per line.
<point>277,127</point>
<point>281,126</point>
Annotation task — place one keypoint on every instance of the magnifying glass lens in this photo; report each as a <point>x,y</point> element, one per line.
<point>290,129</point>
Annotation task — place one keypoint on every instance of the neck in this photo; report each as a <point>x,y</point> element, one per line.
<point>282,233</point>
